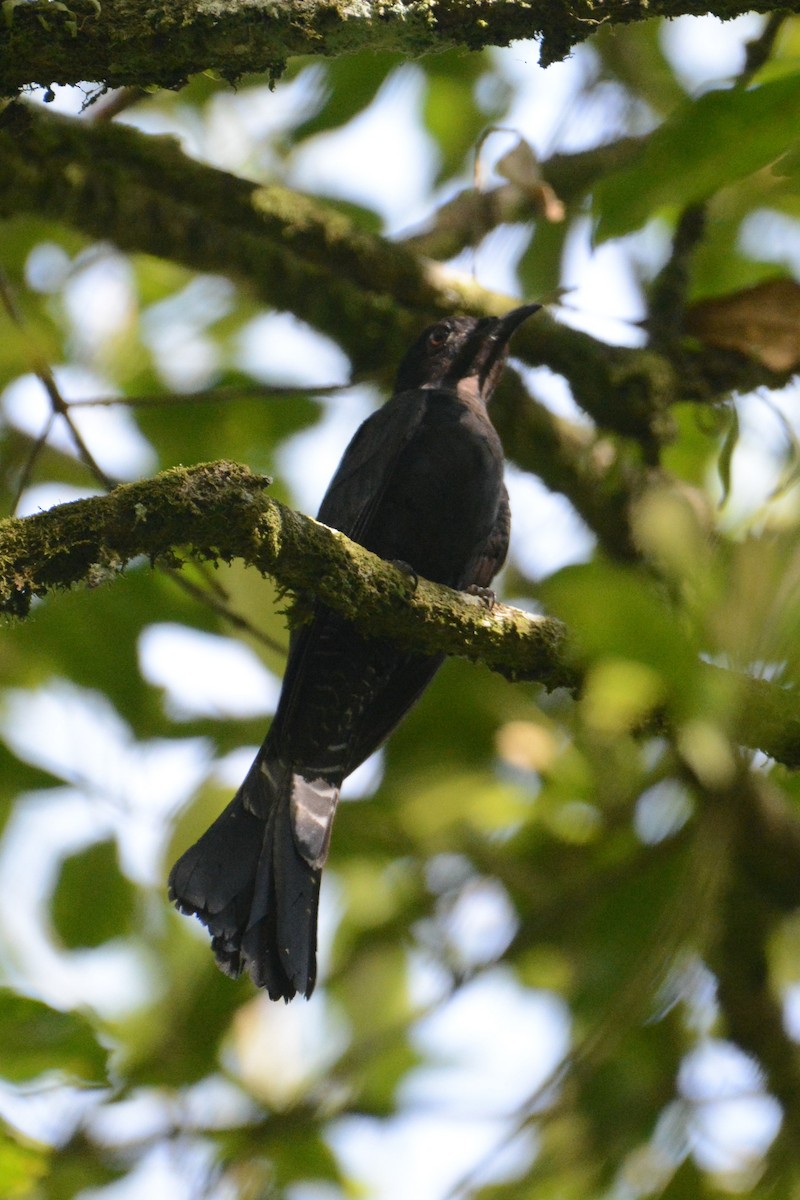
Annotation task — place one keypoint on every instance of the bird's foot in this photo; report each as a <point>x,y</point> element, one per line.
<point>484,594</point>
<point>408,571</point>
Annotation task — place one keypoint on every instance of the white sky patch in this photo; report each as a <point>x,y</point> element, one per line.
<point>661,811</point>
<point>280,348</point>
<point>769,236</point>
<point>362,784</point>
<point>47,267</point>
<point>492,1074</point>
<point>236,130</point>
<point>546,532</point>
<point>204,674</point>
<point>455,1110</point>
<point>174,1169</point>
<point>186,360</point>
<point>50,1112</point>
<point>174,328</point>
<point>126,785</point>
<point>791,1011</point>
<point>553,391</point>
<point>543,101</point>
<point>734,1121</point>
<point>40,833</point>
<point>241,128</point>
<point>231,769</point>
<point>382,159</point>
<point>100,297</point>
<point>69,100</point>
<point>366,779</point>
<point>494,262</point>
<point>279,1050</point>
<point>204,300</point>
<point>116,788</point>
<point>310,458</point>
<point>45,495</point>
<point>424,1155</point>
<point>604,297</point>
<point>481,923</point>
<point>703,50</point>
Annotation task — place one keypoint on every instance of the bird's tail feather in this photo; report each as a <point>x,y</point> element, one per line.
<point>250,881</point>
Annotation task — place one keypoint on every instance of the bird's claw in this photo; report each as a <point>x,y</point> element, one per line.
<point>484,594</point>
<point>408,571</point>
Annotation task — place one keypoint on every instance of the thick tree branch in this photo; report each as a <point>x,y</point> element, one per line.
<point>371,295</point>
<point>143,194</point>
<point>126,42</point>
<point>221,511</point>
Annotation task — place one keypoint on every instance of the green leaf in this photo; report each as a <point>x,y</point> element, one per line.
<point>35,1038</point>
<point>351,84</point>
<point>17,777</point>
<point>539,268</point>
<point>21,1166</point>
<point>77,1167</point>
<point>305,1147</point>
<point>93,901</point>
<point>639,63</point>
<point>705,145</point>
<point>614,612</point>
<point>175,1041</point>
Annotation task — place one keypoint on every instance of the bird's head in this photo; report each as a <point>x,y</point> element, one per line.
<point>460,349</point>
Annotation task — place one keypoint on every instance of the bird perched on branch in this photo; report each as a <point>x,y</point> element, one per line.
<point>421,483</point>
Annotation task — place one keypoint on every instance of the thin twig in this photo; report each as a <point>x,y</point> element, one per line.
<point>757,51</point>
<point>115,102</point>
<point>59,406</point>
<point>213,395</point>
<point>224,610</point>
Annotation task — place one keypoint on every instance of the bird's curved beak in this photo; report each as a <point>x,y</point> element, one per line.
<point>496,348</point>
<point>507,324</point>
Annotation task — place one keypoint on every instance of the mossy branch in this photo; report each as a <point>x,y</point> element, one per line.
<point>220,511</point>
<point>369,294</point>
<point>130,42</point>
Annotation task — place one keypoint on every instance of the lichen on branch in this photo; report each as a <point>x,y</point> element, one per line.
<point>220,511</point>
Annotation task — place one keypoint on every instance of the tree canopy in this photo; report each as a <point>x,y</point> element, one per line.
<point>559,940</point>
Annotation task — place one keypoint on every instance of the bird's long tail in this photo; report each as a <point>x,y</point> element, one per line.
<point>253,878</point>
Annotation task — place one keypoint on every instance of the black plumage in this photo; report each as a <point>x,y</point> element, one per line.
<point>420,483</point>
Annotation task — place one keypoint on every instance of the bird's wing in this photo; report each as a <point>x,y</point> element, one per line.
<point>493,553</point>
<point>365,471</point>
<point>350,504</point>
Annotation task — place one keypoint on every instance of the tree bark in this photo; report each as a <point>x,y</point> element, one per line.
<point>127,42</point>
<point>221,511</point>
<point>371,295</point>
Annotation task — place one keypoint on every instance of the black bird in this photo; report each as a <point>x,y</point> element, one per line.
<point>421,483</point>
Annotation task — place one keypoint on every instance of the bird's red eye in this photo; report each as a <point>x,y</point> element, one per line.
<point>437,336</point>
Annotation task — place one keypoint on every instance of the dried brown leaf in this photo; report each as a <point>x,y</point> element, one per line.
<point>762,322</point>
<point>520,166</point>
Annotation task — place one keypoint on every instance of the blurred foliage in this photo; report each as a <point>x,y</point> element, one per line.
<point>510,849</point>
